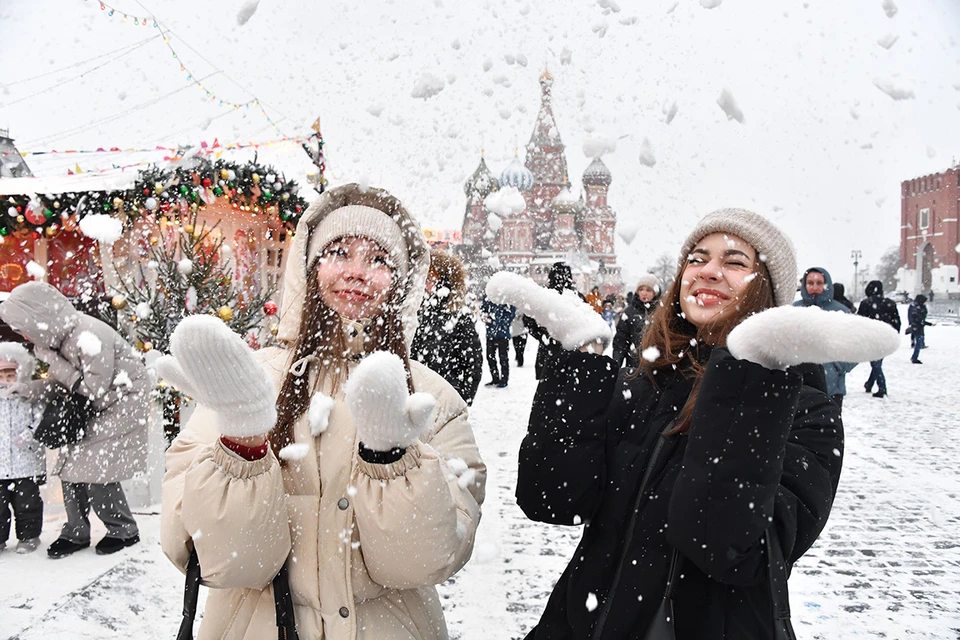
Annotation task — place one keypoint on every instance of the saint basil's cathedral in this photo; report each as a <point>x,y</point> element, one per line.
<point>555,225</point>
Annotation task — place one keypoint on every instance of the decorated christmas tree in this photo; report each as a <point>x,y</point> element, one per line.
<point>191,275</point>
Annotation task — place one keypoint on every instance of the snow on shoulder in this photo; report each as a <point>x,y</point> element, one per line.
<point>786,336</point>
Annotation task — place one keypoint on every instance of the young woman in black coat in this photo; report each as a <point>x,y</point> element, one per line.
<point>749,446</point>
<point>447,340</point>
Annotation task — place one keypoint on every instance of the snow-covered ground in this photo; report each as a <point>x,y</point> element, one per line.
<point>887,565</point>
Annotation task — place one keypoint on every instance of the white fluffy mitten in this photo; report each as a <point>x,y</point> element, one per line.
<point>786,336</point>
<point>384,412</point>
<point>566,317</point>
<point>212,364</point>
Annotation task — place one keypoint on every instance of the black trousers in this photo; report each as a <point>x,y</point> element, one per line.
<point>23,496</point>
<point>519,344</point>
<point>501,347</point>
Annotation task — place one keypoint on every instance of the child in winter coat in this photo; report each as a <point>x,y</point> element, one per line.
<point>22,461</point>
<point>333,454</point>
<point>688,465</point>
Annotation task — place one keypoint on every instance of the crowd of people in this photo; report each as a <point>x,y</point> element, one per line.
<point>337,476</point>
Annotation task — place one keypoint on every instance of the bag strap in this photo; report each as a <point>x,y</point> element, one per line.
<point>286,621</point>
<point>777,571</point>
<point>191,593</point>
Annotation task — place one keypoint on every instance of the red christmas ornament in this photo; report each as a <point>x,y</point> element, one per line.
<point>270,307</point>
<point>207,182</point>
<point>146,192</point>
<point>34,215</point>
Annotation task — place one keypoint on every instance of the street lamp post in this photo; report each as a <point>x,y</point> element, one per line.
<point>855,254</point>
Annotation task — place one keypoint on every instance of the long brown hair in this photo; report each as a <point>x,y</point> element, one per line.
<point>321,335</point>
<point>679,342</point>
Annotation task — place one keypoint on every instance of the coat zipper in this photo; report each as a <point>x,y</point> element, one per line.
<point>630,527</point>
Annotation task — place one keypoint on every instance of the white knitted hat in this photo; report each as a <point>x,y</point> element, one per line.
<point>773,247</point>
<point>648,280</point>
<point>365,222</point>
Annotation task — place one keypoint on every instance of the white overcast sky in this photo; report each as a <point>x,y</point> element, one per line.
<point>822,150</point>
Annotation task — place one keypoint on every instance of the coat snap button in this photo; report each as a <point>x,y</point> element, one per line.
<point>343,503</point>
<point>344,612</point>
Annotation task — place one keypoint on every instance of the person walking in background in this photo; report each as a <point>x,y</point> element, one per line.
<point>23,465</point>
<point>838,295</point>
<point>877,307</point>
<point>518,333</point>
<point>816,290</point>
<point>559,279</point>
<point>595,300</point>
<point>498,318</point>
<point>446,339</point>
<point>88,357</point>
<point>633,320</point>
<point>917,317</point>
<point>608,313</point>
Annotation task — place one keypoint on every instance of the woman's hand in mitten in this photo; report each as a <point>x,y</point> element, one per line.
<point>384,412</point>
<point>212,364</point>
<point>566,317</point>
<point>786,336</point>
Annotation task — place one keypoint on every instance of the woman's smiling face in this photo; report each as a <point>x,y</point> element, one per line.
<point>718,271</point>
<point>354,277</point>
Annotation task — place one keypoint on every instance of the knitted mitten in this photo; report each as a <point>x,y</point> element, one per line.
<point>565,316</point>
<point>785,336</point>
<point>384,412</point>
<point>212,364</point>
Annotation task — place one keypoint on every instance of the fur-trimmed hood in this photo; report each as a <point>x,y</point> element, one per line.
<point>40,312</point>
<point>295,273</point>
<point>16,352</point>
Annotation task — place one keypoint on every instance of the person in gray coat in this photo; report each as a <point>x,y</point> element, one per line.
<point>86,356</point>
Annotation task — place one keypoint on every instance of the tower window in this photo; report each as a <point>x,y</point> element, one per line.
<point>924,222</point>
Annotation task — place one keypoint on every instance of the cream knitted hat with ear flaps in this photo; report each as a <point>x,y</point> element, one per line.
<point>773,247</point>
<point>364,222</point>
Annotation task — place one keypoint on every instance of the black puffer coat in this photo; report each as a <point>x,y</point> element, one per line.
<point>876,307</point>
<point>448,344</point>
<point>763,446</point>
<point>626,341</point>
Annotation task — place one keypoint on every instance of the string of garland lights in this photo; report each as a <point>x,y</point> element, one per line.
<point>170,193</point>
<point>211,96</point>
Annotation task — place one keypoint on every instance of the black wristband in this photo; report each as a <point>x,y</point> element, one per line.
<point>381,457</point>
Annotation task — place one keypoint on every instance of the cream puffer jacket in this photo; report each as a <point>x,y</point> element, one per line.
<point>367,542</point>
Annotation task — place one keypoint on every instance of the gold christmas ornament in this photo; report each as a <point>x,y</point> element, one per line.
<point>158,187</point>
<point>224,173</point>
<point>154,239</point>
<point>188,228</point>
<point>118,302</point>
<point>256,178</point>
<point>138,345</point>
<point>274,330</point>
<point>117,203</point>
<point>225,314</point>
<point>51,231</point>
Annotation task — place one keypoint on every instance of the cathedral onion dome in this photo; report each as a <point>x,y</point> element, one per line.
<point>481,182</point>
<point>565,202</point>
<point>516,175</point>
<point>597,174</point>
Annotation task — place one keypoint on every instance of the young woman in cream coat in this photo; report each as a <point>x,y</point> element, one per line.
<point>335,451</point>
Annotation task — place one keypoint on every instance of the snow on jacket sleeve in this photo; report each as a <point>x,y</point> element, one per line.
<point>232,510</point>
<point>762,448</point>
<point>417,517</point>
<point>562,470</point>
